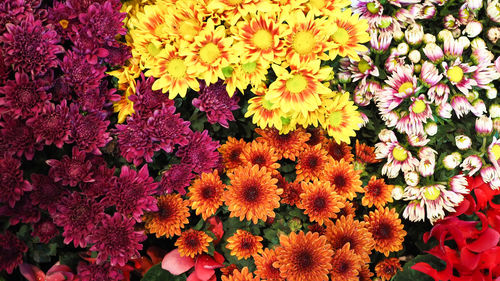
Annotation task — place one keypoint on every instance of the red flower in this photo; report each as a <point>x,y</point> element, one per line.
<point>204,265</point>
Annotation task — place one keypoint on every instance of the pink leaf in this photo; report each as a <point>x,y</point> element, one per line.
<point>175,264</point>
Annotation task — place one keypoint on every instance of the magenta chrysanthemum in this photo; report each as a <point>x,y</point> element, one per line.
<point>17,139</point>
<point>12,183</point>
<point>52,126</point>
<point>215,101</point>
<point>134,141</point>
<point>23,97</point>
<point>71,171</point>
<point>133,193</point>
<point>167,129</point>
<point>96,100</point>
<point>98,272</point>
<point>12,251</point>
<point>145,100</point>
<point>15,11</point>
<point>23,212</point>
<point>102,23</point>
<point>30,46</point>
<point>116,238</point>
<point>45,230</point>
<point>88,132</point>
<point>177,178</point>
<point>201,152</point>
<point>79,74</point>
<point>78,216</point>
<point>46,193</point>
<point>103,179</point>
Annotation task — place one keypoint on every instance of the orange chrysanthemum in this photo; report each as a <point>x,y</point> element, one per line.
<point>244,245</point>
<point>386,229</point>
<point>291,192</point>
<point>339,151</point>
<point>253,193</point>
<point>193,242</point>
<point>243,275</point>
<point>205,194</point>
<point>228,270</point>
<point>288,145</point>
<point>365,153</point>
<point>387,268</point>
<point>345,265</point>
<point>377,193</point>
<point>304,257</point>
<point>264,266</point>
<point>365,274</point>
<point>316,227</point>
<point>347,210</point>
<point>319,201</point>
<point>311,163</point>
<point>317,136</point>
<point>172,215</point>
<point>261,154</point>
<point>231,152</point>
<point>347,230</point>
<point>344,179</point>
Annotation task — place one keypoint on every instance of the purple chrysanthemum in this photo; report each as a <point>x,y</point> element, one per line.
<point>23,97</point>
<point>45,230</point>
<point>97,99</point>
<point>12,251</point>
<point>82,6</point>
<point>71,171</point>
<point>46,193</point>
<point>78,216</point>
<point>215,101</point>
<point>88,132</point>
<point>4,69</point>
<point>168,129</point>
<point>177,178</point>
<point>79,74</point>
<point>200,152</point>
<point>102,23</point>
<point>17,138</point>
<point>31,46</point>
<point>145,100</point>
<point>98,272</point>
<point>15,11</point>
<point>103,179</point>
<point>23,212</point>
<point>116,238</point>
<point>60,90</point>
<point>134,141</point>
<point>52,125</point>
<point>118,54</point>
<point>132,193</point>
<point>12,183</point>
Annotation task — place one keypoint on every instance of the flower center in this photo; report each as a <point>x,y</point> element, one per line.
<point>187,28</point>
<point>372,8</point>
<point>339,182</point>
<point>399,154</point>
<point>304,259</point>
<point>251,193</point>
<point>418,106</point>
<point>384,231</point>
<point>259,159</point>
<point>341,36</point>
<point>267,104</point>
<point>303,42</point>
<point>363,66</point>
<point>455,74</point>
<point>193,242</point>
<point>249,67</point>
<point>154,48</point>
<point>208,192</point>
<point>64,23</point>
<point>384,23</point>
<point>312,161</point>
<point>495,150</point>
<point>319,203</point>
<point>263,39</point>
<point>176,68</point>
<point>318,4</point>
<point>336,118</point>
<point>246,244</point>
<point>405,87</point>
<point>432,193</point>
<point>296,84</point>
<point>209,53</point>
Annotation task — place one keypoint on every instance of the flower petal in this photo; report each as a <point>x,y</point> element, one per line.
<point>175,264</point>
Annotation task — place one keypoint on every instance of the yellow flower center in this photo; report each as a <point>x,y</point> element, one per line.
<point>64,23</point>
<point>455,74</point>
<point>249,67</point>
<point>496,151</point>
<point>187,28</point>
<point>384,23</point>
<point>418,106</point>
<point>176,68</point>
<point>154,49</point>
<point>263,39</point>
<point>209,53</point>
<point>296,84</point>
<point>405,86</point>
<point>303,42</point>
<point>267,104</point>
<point>372,8</point>
<point>341,36</point>
<point>335,118</point>
<point>432,193</point>
<point>399,154</point>
<point>363,66</point>
<point>318,4</point>
<point>161,29</point>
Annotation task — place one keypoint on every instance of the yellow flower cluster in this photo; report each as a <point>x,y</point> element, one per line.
<point>279,49</point>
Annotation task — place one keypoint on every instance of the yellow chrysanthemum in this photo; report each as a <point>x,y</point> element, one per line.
<point>265,113</point>
<point>350,33</point>
<point>186,20</point>
<point>124,106</point>
<point>246,73</point>
<point>326,7</point>
<point>152,22</point>
<point>342,118</point>
<point>234,10</point>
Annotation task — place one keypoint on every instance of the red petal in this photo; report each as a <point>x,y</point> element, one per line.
<point>31,272</point>
<point>216,227</point>
<point>207,261</point>
<point>487,240</point>
<point>219,258</point>
<point>175,264</point>
<point>468,259</point>
<point>193,277</point>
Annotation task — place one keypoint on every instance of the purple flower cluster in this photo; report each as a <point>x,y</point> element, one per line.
<point>215,101</point>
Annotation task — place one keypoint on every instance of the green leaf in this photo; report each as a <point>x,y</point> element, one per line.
<point>199,225</point>
<point>410,274</point>
<point>156,273</point>
<point>41,253</point>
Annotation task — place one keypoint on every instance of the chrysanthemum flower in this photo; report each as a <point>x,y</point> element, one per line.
<point>88,132</point>
<point>345,265</point>
<point>387,268</point>
<point>167,129</point>
<point>132,193</point>
<point>244,244</point>
<point>23,212</point>
<point>118,248</point>
<point>232,11</point>
<point>71,171</point>
<point>246,73</point>
<point>364,273</point>
<point>400,85</point>
<point>338,151</point>
<point>17,139</point>
<point>209,53</point>
<point>78,216</point>
<point>243,275</point>
<point>153,21</point>
<point>349,34</point>
<point>311,163</point>
<point>343,178</point>
<point>319,201</point>
<point>45,230</point>
<point>193,242</point>
<point>288,145</point>
<point>185,22</point>
<point>177,178</point>
<point>377,193</point>
<point>79,74</point>
<point>265,113</point>
<point>299,89</point>
<point>145,100</point>
<point>365,153</point>
<point>11,180</point>
<point>172,215</point>
<point>347,210</point>
<point>325,8</point>
<point>12,251</point>
<point>304,257</point>
<point>231,152</point>
<point>253,193</point>
<point>317,136</point>
<point>342,118</point>
<point>264,265</point>
<point>52,126</point>
<point>347,230</point>
<point>200,152</point>
<point>387,230</point>
<point>46,193</point>
<point>456,71</point>
<point>95,272</point>
<point>398,158</point>
<point>261,154</point>
<point>205,194</point>
<point>291,191</point>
